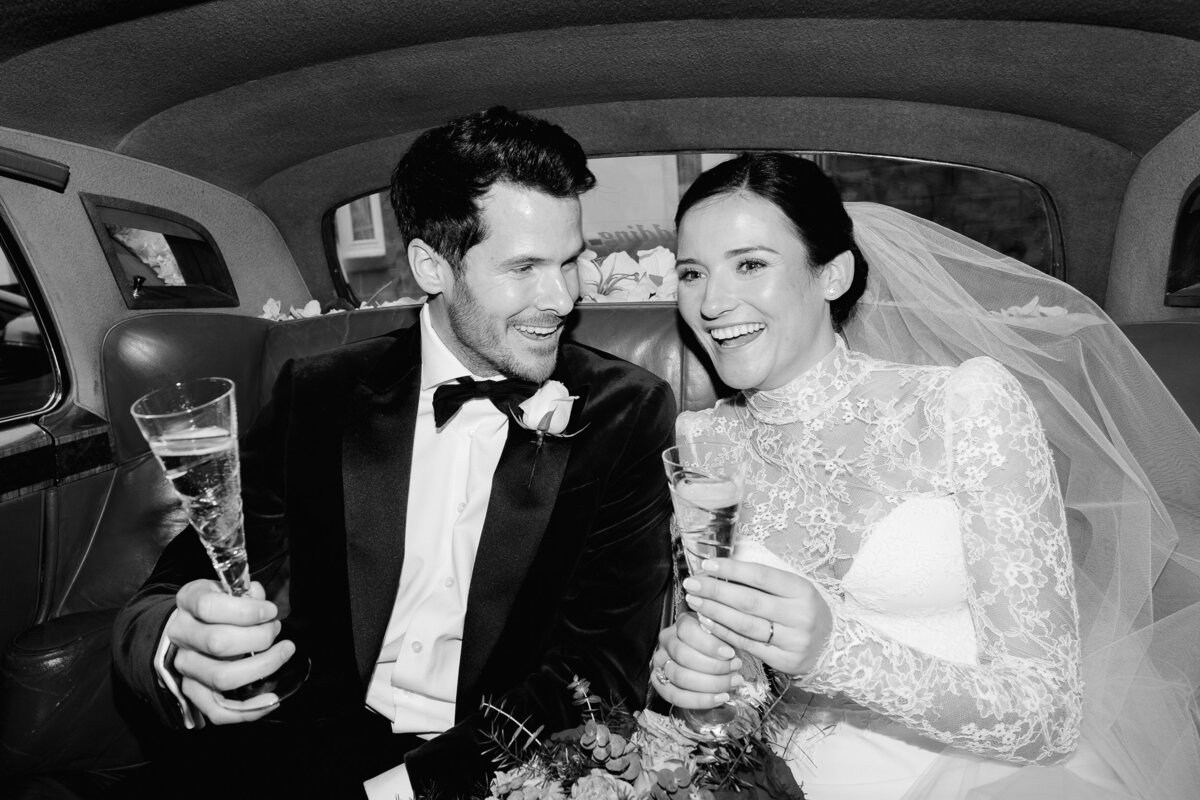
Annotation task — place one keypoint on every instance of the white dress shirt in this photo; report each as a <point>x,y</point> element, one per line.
<point>416,674</point>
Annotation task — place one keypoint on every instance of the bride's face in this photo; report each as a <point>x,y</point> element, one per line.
<point>748,293</point>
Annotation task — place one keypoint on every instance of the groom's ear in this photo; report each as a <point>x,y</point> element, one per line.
<point>432,272</point>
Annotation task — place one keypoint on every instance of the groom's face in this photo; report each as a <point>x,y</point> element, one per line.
<point>507,303</point>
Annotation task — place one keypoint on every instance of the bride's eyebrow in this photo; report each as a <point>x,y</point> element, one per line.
<point>757,248</point>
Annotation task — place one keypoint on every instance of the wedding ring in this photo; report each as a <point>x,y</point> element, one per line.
<point>771,632</point>
<point>660,674</point>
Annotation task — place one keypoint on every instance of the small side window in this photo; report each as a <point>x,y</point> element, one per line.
<point>1183,274</point>
<point>160,259</point>
<point>28,377</point>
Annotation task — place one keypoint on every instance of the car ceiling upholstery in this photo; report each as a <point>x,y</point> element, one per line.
<point>198,85</point>
<point>269,98</point>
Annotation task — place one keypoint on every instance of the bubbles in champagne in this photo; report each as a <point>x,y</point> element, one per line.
<point>202,465</point>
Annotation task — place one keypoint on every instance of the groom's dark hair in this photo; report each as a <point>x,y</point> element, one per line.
<point>437,185</point>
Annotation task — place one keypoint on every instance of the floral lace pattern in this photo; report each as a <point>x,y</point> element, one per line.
<point>835,452</point>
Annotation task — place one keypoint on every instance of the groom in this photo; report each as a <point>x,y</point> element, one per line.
<point>428,550</point>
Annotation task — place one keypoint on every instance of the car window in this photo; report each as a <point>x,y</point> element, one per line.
<point>28,381</point>
<point>371,267</point>
<point>629,230</point>
<point>1183,275</point>
<point>159,258</point>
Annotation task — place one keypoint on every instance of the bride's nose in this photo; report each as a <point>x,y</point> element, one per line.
<point>718,297</point>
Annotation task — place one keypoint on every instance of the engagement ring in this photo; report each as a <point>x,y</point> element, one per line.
<point>771,632</point>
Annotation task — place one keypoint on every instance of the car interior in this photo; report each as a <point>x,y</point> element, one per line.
<point>193,188</point>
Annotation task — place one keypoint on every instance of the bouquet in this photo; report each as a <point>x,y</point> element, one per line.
<point>615,755</point>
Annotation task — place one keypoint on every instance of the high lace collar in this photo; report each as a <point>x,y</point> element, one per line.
<point>808,395</point>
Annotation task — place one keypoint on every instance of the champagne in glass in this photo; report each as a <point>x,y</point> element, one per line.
<point>706,509</point>
<point>191,428</point>
<point>707,480</point>
<point>202,465</point>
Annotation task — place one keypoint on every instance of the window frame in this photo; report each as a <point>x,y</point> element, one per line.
<point>214,287</point>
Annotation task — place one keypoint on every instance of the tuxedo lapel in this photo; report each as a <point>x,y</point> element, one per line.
<point>524,490</point>
<point>376,468</point>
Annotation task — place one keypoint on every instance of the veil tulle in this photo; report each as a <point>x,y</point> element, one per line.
<point>1128,460</point>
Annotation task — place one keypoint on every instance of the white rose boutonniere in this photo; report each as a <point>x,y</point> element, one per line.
<point>547,413</point>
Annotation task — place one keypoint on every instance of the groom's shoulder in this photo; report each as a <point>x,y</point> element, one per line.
<point>355,359</point>
<point>592,365</point>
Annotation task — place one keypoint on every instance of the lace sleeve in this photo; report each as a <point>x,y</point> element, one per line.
<point>1022,700</point>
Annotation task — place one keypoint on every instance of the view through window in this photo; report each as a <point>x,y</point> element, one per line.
<point>27,380</point>
<point>629,230</point>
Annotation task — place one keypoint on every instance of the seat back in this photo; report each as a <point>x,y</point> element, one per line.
<point>1173,350</point>
<point>146,352</point>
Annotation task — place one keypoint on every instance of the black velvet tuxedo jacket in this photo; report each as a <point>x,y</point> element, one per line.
<point>570,577</point>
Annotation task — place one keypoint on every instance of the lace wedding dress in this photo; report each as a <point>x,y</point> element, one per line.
<point>923,503</point>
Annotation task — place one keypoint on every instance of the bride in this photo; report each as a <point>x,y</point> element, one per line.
<point>971,519</point>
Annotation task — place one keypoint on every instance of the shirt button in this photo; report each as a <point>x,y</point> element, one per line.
<point>448,583</point>
<point>462,507</point>
<point>417,647</point>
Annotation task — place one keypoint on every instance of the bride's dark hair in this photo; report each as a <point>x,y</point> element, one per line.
<point>806,196</point>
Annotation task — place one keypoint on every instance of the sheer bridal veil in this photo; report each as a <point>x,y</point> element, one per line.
<point>1128,461</point>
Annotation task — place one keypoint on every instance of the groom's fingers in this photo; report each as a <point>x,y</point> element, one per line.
<point>222,675</point>
<point>221,711</point>
<point>219,641</point>
<point>207,602</point>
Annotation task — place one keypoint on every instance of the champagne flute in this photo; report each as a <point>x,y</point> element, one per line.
<point>191,428</point>
<point>707,481</point>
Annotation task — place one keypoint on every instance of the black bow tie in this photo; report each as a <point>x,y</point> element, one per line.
<point>449,398</point>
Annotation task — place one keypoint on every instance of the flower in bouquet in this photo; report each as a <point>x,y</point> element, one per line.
<point>614,755</point>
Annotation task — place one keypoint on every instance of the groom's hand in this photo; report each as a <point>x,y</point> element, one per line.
<point>215,632</point>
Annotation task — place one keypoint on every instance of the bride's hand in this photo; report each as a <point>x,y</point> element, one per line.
<point>692,668</point>
<point>770,613</point>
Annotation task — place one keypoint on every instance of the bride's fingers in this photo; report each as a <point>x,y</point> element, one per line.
<point>675,648</point>
<point>792,648</point>
<point>686,688</point>
<point>692,632</point>
<point>778,582</point>
<point>733,605</point>
<point>744,632</point>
